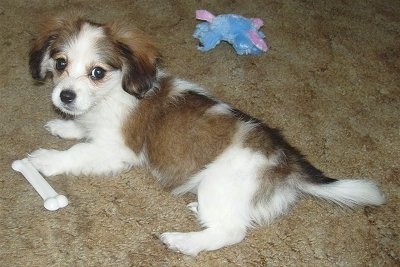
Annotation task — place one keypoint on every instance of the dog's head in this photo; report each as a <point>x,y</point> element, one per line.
<point>88,60</point>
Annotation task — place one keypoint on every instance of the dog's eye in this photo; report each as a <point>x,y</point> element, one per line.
<point>97,73</point>
<point>61,64</point>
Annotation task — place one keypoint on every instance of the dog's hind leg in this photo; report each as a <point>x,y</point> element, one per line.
<point>225,195</point>
<point>222,213</point>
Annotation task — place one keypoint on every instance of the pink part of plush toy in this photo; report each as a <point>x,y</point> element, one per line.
<point>204,15</point>
<point>258,23</point>
<point>257,41</point>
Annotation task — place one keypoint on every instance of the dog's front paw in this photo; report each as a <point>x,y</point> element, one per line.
<point>181,242</point>
<point>46,161</point>
<point>66,129</point>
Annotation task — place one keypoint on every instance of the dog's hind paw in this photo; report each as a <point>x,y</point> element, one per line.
<point>194,207</point>
<point>182,242</point>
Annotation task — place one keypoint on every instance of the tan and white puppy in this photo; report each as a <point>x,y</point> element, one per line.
<point>130,113</point>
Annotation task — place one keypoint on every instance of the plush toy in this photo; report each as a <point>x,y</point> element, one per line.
<point>241,32</point>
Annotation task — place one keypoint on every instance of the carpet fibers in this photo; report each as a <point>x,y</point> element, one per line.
<point>330,81</point>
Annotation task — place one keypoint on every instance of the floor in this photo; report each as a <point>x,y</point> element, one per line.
<point>330,81</point>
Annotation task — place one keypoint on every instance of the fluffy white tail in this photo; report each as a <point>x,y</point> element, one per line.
<point>348,193</point>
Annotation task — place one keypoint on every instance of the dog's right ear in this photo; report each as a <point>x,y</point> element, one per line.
<point>38,57</point>
<point>40,52</point>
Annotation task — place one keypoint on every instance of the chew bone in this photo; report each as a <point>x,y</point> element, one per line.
<point>52,200</point>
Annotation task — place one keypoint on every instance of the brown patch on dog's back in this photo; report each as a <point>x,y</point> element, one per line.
<point>179,135</point>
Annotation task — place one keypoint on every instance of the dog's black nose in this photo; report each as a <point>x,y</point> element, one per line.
<point>67,96</point>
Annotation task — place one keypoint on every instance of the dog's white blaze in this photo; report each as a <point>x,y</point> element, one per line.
<point>81,54</point>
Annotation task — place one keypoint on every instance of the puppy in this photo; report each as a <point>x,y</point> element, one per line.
<point>130,113</point>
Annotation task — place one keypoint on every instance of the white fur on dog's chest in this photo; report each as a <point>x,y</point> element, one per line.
<point>104,121</point>
<point>103,127</point>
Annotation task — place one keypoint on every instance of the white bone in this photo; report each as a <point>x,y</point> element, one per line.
<point>52,200</point>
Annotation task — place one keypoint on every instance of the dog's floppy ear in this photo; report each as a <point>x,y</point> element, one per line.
<point>40,52</point>
<point>38,57</point>
<point>138,57</point>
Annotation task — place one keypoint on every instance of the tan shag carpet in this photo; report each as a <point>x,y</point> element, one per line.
<point>331,81</point>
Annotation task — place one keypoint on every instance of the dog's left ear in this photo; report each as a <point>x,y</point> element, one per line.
<point>138,57</point>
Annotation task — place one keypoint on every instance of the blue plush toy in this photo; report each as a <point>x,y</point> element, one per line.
<point>241,32</point>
